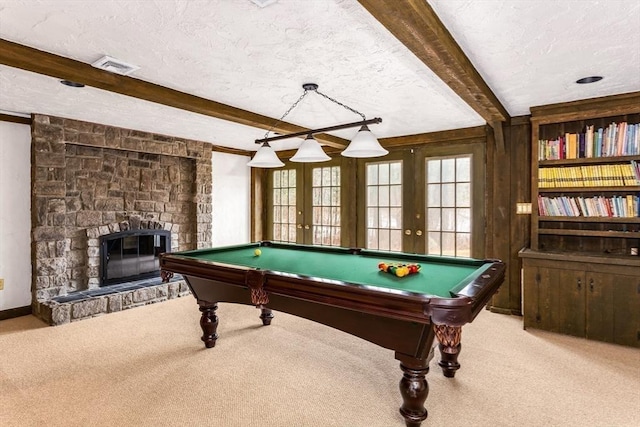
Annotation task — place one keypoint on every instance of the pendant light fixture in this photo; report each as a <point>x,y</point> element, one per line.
<point>364,144</point>
<point>310,151</point>
<point>265,157</point>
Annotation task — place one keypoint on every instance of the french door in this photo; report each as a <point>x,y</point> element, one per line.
<point>428,200</point>
<point>306,203</point>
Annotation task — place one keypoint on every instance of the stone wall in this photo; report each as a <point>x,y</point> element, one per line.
<point>88,179</point>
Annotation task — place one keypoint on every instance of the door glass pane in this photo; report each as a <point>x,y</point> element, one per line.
<point>372,174</point>
<point>395,195</point>
<point>372,196</point>
<point>395,218</point>
<point>317,177</point>
<point>463,169</point>
<point>448,195</point>
<point>384,217</point>
<point>284,205</point>
<point>433,244</point>
<point>463,194</point>
<point>383,173</point>
<point>384,201</point>
<point>463,220</point>
<point>463,244</point>
<point>383,196</point>
<point>433,193</point>
<point>433,171</point>
<point>395,173</point>
<point>448,244</point>
<point>433,219</point>
<point>326,206</point>
<point>372,217</point>
<point>448,205</point>
<point>448,219</point>
<point>448,170</point>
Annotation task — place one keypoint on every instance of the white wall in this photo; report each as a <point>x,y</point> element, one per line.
<point>231,197</point>
<point>15,215</point>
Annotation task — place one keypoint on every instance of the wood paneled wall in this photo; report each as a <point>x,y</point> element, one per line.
<point>508,183</point>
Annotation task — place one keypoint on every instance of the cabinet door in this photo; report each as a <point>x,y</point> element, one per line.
<point>565,301</point>
<point>600,307</point>
<point>555,300</point>
<point>626,315</point>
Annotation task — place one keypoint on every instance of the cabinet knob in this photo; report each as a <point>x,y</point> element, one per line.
<point>306,227</point>
<point>299,225</point>
<point>591,285</point>
<point>419,233</point>
<point>579,284</point>
<point>407,232</point>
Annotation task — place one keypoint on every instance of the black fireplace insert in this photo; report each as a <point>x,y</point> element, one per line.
<point>132,255</point>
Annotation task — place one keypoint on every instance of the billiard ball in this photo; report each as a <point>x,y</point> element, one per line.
<point>257,252</point>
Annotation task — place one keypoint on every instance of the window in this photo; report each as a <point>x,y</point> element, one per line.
<point>448,206</point>
<point>384,205</point>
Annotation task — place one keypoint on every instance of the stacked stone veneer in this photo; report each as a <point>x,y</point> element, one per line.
<point>89,180</point>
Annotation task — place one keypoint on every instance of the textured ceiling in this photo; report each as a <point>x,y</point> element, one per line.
<point>530,52</point>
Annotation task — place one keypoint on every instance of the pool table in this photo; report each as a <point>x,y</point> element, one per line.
<point>344,288</point>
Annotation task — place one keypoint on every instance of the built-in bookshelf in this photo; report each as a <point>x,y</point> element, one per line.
<point>581,273</point>
<point>586,181</point>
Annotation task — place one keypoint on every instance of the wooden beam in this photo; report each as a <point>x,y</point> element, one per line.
<point>417,26</point>
<point>499,136</point>
<point>15,119</point>
<point>626,103</point>
<point>30,59</point>
<point>454,135</point>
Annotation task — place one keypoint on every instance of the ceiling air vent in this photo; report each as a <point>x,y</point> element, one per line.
<point>113,65</point>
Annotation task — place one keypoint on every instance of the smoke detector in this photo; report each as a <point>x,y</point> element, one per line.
<point>263,3</point>
<point>114,65</point>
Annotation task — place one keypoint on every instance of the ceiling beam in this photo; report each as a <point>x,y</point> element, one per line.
<point>37,61</point>
<point>417,26</point>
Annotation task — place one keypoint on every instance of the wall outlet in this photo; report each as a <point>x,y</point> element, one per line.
<point>1,284</point>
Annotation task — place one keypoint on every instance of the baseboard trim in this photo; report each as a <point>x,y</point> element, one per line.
<point>15,312</point>
<point>500,310</point>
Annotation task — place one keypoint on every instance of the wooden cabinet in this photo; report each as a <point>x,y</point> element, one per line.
<point>583,296</point>
<point>581,274</point>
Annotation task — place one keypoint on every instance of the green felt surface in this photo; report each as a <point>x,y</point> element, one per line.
<point>437,276</point>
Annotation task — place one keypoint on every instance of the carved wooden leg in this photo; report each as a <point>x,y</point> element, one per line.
<point>449,337</point>
<point>209,323</point>
<point>414,389</point>
<point>266,316</point>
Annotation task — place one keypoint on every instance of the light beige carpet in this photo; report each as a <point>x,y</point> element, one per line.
<point>148,367</point>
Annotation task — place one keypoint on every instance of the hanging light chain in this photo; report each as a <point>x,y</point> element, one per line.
<point>287,112</point>
<point>341,104</point>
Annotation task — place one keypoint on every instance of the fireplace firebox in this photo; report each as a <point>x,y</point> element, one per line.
<point>132,255</point>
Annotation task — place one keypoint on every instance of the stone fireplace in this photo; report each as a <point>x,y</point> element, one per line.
<point>90,181</point>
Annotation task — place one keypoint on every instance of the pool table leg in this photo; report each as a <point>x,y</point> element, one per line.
<point>266,315</point>
<point>449,338</point>
<point>208,323</point>
<point>413,388</point>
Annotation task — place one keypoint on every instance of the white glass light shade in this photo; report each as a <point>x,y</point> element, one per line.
<point>265,158</point>
<point>364,144</point>
<point>310,151</point>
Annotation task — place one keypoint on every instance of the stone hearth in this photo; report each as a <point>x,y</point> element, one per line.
<point>89,180</point>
